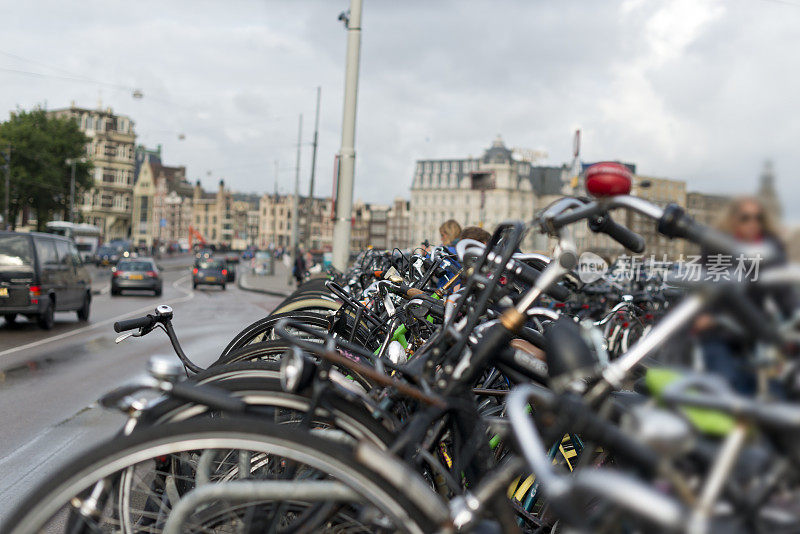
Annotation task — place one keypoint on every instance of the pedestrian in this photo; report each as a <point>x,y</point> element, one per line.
<point>724,350</point>
<point>299,269</point>
<point>449,232</point>
<point>477,233</point>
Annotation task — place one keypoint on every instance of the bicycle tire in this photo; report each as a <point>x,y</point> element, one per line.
<point>259,330</point>
<point>319,305</point>
<point>53,498</point>
<point>258,384</point>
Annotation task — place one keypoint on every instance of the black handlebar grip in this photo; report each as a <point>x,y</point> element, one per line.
<point>676,223</point>
<point>619,233</point>
<point>131,324</point>
<point>530,275</point>
<point>210,396</point>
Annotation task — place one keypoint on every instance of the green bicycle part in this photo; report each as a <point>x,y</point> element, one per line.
<point>709,422</point>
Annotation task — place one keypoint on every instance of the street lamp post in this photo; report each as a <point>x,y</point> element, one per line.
<point>72,162</point>
<point>6,208</point>
<point>347,154</point>
<point>294,244</point>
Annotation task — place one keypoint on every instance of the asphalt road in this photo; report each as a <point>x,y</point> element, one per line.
<point>50,380</point>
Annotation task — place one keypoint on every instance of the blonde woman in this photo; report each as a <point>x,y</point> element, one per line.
<point>449,232</point>
<point>726,353</point>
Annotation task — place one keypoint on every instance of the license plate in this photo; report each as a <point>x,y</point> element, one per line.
<point>137,277</point>
<point>104,262</point>
<point>3,291</point>
<point>210,278</point>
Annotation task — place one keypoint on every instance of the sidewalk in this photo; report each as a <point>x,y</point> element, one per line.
<point>276,284</point>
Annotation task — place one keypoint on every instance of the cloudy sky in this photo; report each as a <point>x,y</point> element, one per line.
<point>702,90</point>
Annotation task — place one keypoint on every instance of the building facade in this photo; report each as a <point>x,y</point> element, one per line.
<point>398,224</point>
<point>661,191</point>
<point>481,191</point>
<point>162,204</point>
<point>108,204</point>
<point>212,214</point>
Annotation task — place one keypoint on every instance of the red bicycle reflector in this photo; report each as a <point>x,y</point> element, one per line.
<point>607,179</point>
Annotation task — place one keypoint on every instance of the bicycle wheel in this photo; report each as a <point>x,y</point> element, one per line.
<point>258,384</point>
<point>261,330</point>
<point>319,305</point>
<point>132,484</point>
<point>264,350</point>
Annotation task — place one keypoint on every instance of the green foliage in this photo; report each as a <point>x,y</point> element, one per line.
<point>40,176</point>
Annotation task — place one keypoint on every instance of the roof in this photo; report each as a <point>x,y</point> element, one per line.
<point>497,153</point>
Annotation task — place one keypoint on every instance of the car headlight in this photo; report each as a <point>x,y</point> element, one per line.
<point>297,370</point>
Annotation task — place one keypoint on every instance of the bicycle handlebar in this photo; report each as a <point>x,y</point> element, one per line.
<point>148,321</point>
<point>624,236</point>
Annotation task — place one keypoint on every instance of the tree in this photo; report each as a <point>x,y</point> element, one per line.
<point>40,176</point>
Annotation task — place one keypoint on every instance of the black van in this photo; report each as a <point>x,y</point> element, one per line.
<point>41,274</point>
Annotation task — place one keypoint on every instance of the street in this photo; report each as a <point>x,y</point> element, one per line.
<point>50,380</point>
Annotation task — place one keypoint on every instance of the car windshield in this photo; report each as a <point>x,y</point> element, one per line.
<point>210,264</point>
<point>135,266</point>
<point>15,251</point>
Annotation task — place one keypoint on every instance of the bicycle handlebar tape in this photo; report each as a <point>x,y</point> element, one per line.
<point>131,324</point>
<point>210,396</point>
<point>619,233</point>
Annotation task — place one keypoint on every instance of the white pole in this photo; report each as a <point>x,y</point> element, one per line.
<point>344,192</point>
<point>296,199</point>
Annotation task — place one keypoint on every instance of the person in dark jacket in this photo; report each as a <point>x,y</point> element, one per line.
<point>724,350</point>
<point>299,269</point>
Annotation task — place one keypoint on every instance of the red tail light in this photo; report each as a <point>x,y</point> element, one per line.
<point>152,274</point>
<point>34,292</point>
<point>560,305</point>
<point>114,274</point>
<point>224,272</point>
<point>194,271</point>
<point>585,306</point>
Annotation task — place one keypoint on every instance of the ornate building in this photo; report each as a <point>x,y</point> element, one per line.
<point>108,204</point>
<point>478,191</point>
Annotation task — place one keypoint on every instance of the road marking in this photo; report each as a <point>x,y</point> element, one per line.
<point>188,295</point>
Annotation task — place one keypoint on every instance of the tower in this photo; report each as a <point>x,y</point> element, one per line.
<point>766,190</point>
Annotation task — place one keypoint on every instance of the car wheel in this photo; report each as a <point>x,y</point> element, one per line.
<point>114,292</point>
<point>194,286</point>
<point>223,287</point>
<point>10,318</point>
<point>45,318</point>
<point>83,312</point>
<point>158,291</point>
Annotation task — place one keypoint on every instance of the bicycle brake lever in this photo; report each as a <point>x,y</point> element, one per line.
<point>123,337</point>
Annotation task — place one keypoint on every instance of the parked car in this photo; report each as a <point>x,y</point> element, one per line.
<point>209,271</point>
<point>138,273</point>
<point>41,274</point>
